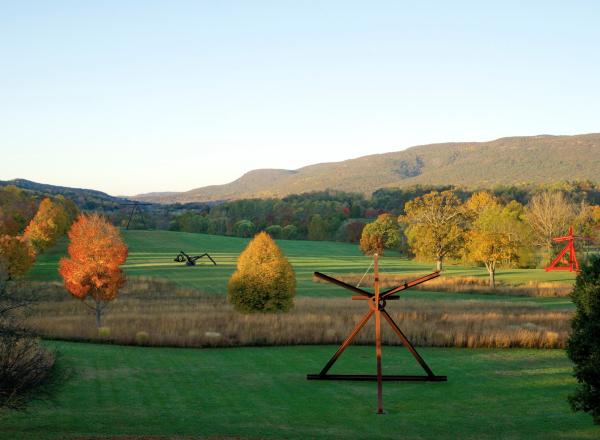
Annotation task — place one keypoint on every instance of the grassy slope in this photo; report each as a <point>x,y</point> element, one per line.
<point>151,253</point>
<point>263,393</point>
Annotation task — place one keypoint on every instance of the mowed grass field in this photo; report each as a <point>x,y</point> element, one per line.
<point>252,393</point>
<point>262,392</point>
<point>151,253</point>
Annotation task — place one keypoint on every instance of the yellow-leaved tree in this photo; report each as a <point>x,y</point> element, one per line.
<point>436,225</point>
<point>264,280</point>
<point>16,256</point>
<point>496,234</point>
<point>50,222</point>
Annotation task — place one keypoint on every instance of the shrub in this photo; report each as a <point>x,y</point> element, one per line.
<point>104,332</point>
<point>24,367</point>
<point>274,231</point>
<point>584,343</point>
<point>142,338</point>
<point>289,232</point>
<point>264,280</point>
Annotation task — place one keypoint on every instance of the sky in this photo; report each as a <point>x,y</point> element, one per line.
<point>130,97</point>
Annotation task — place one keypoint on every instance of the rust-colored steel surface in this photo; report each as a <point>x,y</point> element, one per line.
<point>377,302</point>
<point>560,263</point>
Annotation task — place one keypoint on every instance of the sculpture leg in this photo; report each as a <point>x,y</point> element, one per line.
<point>407,343</point>
<point>347,342</point>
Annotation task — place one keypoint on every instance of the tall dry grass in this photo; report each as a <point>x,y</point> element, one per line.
<point>461,285</point>
<point>151,312</point>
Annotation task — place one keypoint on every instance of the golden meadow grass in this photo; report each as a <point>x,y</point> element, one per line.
<point>154,312</point>
<point>458,284</point>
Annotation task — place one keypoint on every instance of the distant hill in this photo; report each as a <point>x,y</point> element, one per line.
<point>83,198</point>
<point>508,161</point>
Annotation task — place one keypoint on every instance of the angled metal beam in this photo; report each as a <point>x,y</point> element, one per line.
<point>373,377</point>
<point>410,284</point>
<point>407,343</point>
<point>342,284</point>
<point>347,342</point>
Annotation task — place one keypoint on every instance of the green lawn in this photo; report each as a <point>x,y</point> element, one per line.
<point>263,393</point>
<point>151,253</point>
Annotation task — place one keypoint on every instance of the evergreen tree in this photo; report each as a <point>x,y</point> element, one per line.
<point>583,346</point>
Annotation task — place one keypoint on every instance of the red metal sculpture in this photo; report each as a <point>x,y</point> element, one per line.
<point>560,263</point>
<point>377,303</point>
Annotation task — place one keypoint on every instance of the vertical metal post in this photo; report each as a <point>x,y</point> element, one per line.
<point>378,335</point>
<point>131,215</point>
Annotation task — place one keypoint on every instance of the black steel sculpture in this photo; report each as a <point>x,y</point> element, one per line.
<point>135,206</point>
<point>191,260</point>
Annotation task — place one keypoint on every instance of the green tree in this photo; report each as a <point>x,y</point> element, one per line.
<point>436,225</point>
<point>264,280</point>
<point>383,233</point>
<point>317,228</point>
<point>494,238</point>
<point>350,231</point>
<point>217,226</point>
<point>274,231</point>
<point>289,232</point>
<point>244,228</point>
<point>583,346</point>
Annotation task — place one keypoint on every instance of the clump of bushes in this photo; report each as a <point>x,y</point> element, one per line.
<point>264,280</point>
<point>104,332</point>
<point>142,338</point>
<point>25,365</point>
<point>584,343</point>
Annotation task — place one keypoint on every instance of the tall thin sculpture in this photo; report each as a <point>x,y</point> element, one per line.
<point>135,206</point>
<point>377,303</point>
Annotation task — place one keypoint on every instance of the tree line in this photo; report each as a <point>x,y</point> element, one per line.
<point>484,230</point>
<point>28,226</point>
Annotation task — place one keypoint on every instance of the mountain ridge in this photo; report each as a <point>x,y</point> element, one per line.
<point>505,161</point>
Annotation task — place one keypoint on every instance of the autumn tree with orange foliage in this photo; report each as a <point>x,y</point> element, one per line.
<point>49,223</point>
<point>96,253</point>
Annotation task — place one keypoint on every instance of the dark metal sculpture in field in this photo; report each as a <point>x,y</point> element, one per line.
<point>135,206</point>
<point>191,260</point>
<point>377,303</point>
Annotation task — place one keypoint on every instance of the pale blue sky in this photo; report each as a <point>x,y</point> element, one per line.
<point>138,96</point>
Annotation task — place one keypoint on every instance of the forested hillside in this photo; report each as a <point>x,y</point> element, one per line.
<point>507,161</point>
